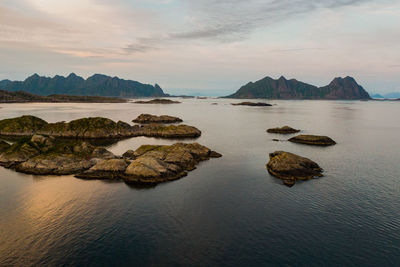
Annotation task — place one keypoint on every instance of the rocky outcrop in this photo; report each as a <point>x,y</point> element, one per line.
<point>4,146</point>
<point>283,130</point>
<point>48,156</point>
<point>148,118</point>
<point>92,128</point>
<point>152,164</point>
<point>169,131</point>
<point>291,167</point>
<point>157,101</point>
<point>315,140</point>
<point>252,104</point>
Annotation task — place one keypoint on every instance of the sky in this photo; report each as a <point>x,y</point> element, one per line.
<point>204,47</point>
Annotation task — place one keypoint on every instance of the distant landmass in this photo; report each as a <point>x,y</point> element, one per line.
<point>269,88</point>
<point>96,85</point>
<point>24,97</point>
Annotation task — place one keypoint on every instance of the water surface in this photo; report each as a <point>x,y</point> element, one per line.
<point>229,211</point>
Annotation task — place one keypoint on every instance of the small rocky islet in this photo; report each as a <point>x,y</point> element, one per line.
<point>291,167</point>
<point>252,104</point>
<point>92,128</point>
<point>157,101</point>
<point>148,118</point>
<point>283,130</point>
<point>316,140</point>
<point>149,164</point>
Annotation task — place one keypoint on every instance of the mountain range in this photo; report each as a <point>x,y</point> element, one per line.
<point>96,85</point>
<point>269,88</point>
<point>393,95</point>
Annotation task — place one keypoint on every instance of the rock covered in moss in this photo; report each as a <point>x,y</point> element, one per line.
<point>291,167</point>
<point>252,104</point>
<point>283,130</point>
<point>21,126</point>
<point>4,146</point>
<point>148,118</point>
<point>169,131</point>
<point>157,101</point>
<point>152,164</point>
<point>315,140</point>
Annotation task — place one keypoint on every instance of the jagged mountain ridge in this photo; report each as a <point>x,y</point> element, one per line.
<point>96,85</point>
<point>269,88</point>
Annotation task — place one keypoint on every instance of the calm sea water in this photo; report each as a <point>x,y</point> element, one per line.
<point>229,211</point>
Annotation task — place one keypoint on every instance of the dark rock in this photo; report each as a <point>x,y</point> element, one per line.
<point>148,118</point>
<point>4,146</point>
<point>157,101</point>
<point>107,169</point>
<point>291,167</point>
<point>130,154</point>
<point>283,130</point>
<point>315,140</point>
<point>252,104</point>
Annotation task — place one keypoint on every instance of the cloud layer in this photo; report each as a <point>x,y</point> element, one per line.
<point>204,45</point>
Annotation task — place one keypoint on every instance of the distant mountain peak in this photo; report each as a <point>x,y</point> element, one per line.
<point>95,85</point>
<point>339,88</point>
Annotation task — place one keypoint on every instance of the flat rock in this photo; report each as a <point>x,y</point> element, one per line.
<point>315,140</point>
<point>157,101</point>
<point>252,104</point>
<point>290,167</point>
<point>283,130</point>
<point>148,118</point>
<point>169,131</point>
<point>107,169</point>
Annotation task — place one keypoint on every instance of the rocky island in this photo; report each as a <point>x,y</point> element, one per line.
<point>149,164</point>
<point>315,140</point>
<point>283,130</point>
<point>92,128</point>
<point>148,118</point>
<point>152,164</point>
<point>268,88</point>
<point>291,167</point>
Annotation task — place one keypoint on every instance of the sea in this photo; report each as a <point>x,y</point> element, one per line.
<point>229,211</point>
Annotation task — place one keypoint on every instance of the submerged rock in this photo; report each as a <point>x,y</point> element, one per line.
<point>148,118</point>
<point>252,104</point>
<point>291,167</point>
<point>283,130</point>
<point>169,131</point>
<point>157,101</point>
<point>152,163</point>
<point>313,140</point>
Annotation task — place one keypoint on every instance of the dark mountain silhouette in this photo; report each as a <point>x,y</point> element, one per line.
<point>96,85</point>
<point>339,88</point>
